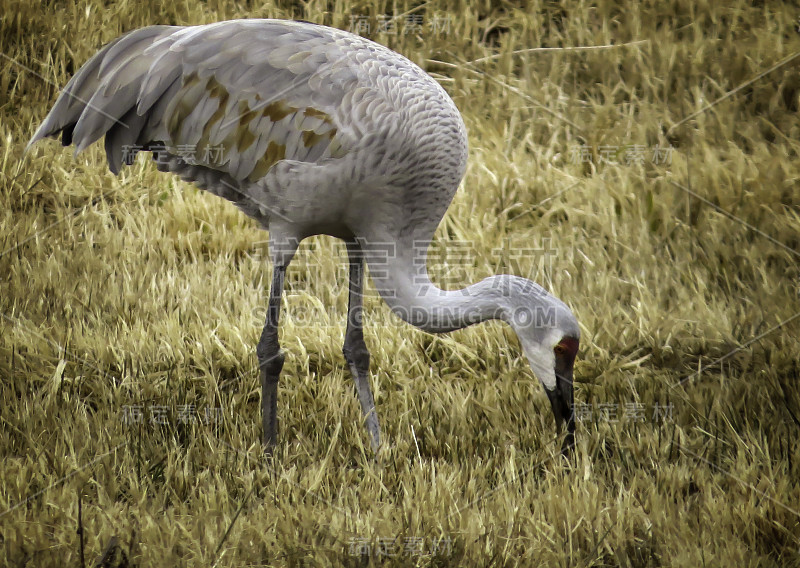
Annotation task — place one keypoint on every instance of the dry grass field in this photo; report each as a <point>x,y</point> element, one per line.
<point>651,183</point>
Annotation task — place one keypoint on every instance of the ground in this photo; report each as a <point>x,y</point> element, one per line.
<point>650,182</point>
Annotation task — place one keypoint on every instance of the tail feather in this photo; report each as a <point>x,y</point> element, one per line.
<point>71,102</point>
<point>103,113</point>
<point>102,97</point>
<point>121,142</point>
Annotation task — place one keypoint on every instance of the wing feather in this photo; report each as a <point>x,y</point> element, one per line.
<point>260,90</point>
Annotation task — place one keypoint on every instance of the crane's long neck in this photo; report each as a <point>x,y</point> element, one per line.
<point>402,279</point>
<point>418,301</point>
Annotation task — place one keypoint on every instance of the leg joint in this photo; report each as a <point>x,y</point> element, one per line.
<point>357,355</point>
<point>270,356</point>
<point>272,366</point>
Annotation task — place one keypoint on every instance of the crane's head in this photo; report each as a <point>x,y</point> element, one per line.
<point>549,334</point>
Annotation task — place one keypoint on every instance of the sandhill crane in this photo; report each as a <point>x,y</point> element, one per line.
<point>321,132</point>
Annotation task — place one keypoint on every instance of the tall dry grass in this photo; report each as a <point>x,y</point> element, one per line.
<point>139,293</point>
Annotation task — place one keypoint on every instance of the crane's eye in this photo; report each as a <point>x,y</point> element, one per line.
<point>559,349</point>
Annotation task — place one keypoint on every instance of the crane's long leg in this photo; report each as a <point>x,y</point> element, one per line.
<point>270,359</point>
<point>355,349</point>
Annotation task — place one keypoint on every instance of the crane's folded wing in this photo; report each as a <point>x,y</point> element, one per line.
<point>235,96</point>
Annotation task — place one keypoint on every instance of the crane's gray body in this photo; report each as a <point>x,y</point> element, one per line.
<point>312,130</point>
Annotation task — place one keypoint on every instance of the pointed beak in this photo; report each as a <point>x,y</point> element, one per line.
<point>561,400</point>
